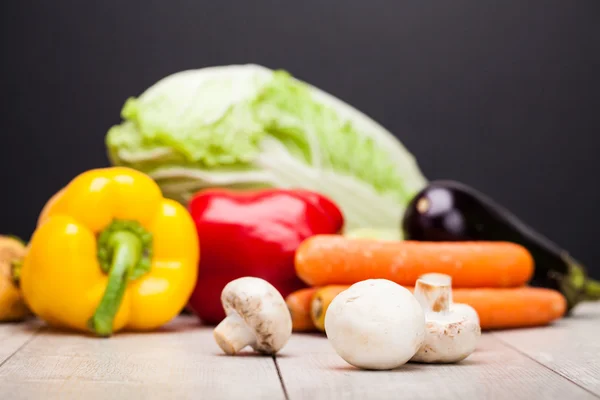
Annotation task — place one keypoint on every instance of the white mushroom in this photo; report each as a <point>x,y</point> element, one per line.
<point>257,316</point>
<point>452,330</point>
<point>375,324</point>
<point>466,311</point>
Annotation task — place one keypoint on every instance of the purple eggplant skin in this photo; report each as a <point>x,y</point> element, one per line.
<point>447,210</point>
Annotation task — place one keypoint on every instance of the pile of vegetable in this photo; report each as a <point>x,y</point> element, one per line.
<point>266,206</point>
<point>489,276</point>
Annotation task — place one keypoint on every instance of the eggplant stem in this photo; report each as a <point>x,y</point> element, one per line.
<point>592,290</point>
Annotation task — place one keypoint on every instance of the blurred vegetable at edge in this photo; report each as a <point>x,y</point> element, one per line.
<point>12,304</point>
<point>335,259</point>
<point>246,126</point>
<point>498,308</point>
<point>452,211</point>
<point>110,253</point>
<point>253,233</point>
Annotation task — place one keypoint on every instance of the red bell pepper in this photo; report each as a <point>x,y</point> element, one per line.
<point>253,233</point>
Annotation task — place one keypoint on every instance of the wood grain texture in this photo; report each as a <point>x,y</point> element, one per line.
<point>571,346</point>
<point>182,361</point>
<point>15,335</point>
<point>312,370</point>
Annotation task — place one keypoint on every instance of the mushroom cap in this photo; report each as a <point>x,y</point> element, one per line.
<point>449,338</point>
<point>466,311</point>
<point>262,308</point>
<point>375,324</point>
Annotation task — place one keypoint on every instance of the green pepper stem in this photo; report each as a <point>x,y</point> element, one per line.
<point>126,252</point>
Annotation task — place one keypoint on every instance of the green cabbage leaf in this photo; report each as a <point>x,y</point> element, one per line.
<point>247,126</point>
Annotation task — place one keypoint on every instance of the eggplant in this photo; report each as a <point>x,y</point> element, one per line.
<point>447,210</point>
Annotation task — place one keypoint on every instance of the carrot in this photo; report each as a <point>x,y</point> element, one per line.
<point>320,301</point>
<point>299,303</point>
<point>513,307</point>
<point>498,308</point>
<point>333,259</point>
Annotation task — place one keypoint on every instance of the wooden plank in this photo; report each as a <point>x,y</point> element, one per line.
<point>14,335</point>
<point>571,346</point>
<point>181,361</point>
<point>312,370</point>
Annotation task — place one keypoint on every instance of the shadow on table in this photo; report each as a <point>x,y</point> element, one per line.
<point>409,367</point>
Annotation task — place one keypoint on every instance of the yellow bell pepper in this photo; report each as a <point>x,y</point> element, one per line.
<point>110,253</point>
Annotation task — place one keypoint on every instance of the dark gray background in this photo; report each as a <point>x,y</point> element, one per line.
<point>500,95</point>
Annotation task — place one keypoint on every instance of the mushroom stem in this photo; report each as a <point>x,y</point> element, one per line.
<point>451,330</point>
<point>233,334</point>
<point>434,293</point>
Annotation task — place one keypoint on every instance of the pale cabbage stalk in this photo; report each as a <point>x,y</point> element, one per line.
<point>246,126</point>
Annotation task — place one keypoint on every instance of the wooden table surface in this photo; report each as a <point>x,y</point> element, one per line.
<point>182,361</point>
